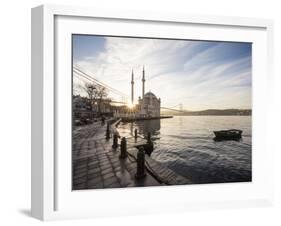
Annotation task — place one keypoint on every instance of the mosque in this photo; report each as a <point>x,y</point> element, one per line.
<point>148,105</point>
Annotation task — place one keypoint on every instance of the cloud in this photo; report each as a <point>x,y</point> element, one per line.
<point>197,74</point>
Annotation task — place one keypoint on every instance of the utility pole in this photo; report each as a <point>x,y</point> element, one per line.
<point>143,81</point>
<point>132,83</point>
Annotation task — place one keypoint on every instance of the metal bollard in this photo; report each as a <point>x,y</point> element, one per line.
<point>136,133</point>
<point>149,137</point>
<point>123,148</point>
<point>149,147</point>
<point>115,141</point>
<point>140,164</point>
<point>107,135</point>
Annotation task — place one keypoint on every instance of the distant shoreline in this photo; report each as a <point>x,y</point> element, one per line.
<point>211,112</point>
<point>208,115</point>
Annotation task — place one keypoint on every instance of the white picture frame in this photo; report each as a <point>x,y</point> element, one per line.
<point>51,196</point>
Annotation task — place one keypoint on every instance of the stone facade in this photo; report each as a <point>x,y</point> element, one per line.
<point>149,106</point>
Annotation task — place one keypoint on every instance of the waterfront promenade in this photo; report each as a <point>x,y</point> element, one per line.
<point>97,165</point>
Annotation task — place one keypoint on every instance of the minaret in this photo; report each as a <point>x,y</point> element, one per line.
<point>143,81</point>
<point>132,83</point>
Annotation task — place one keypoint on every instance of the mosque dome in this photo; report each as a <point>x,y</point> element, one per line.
<point>150,95</point>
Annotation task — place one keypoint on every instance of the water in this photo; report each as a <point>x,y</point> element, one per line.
<point>185,144</point>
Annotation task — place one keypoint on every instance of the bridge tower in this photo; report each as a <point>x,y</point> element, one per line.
<point>180,106</point>
<point>132,83</point>
<point>143,82</point>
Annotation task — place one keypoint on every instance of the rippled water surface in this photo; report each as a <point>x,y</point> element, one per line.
<point>185,144</point>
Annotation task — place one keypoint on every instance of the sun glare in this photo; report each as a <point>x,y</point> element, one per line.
<point>130,105</point>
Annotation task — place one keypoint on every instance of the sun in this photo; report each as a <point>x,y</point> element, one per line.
<point>130,105</point>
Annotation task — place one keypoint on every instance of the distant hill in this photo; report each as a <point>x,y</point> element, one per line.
<point>211,112</point>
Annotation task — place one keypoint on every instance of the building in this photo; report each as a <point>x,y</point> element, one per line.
<point>148,105</point>
<point>81,108</point>
<point>84,109</point>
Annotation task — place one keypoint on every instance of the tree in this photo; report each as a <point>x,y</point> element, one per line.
<point>95,93</point>
<point>101,95</point>
<point>91,91</point>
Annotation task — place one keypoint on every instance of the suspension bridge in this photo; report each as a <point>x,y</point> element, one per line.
<point>121,98</point>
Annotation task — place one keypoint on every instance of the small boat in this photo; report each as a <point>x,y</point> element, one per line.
<point>231,134</point>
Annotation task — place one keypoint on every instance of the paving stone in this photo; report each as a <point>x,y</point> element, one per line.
<point>114,185</point>
<point>80,167</point>
<point>78,176</point>
<point>107,175</point>
<point>96,163</point>
<point>103,160</point>
<point>110,181</point>
<point>92,175</point>
<point>92,166</point>
<point>95,186</point>
<point>79,181</point>
<point>79,187</point>
<point>105,167</point>
<point>106,171</point>
<point>94,170</point>
<point>95,181</point>
<point>118,168</point>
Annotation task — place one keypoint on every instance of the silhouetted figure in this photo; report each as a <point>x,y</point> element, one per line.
<point>102,120</point>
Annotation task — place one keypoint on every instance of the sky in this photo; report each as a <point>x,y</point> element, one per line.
<point>197,74</point>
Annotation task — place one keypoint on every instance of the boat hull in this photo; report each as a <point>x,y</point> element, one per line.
<point>228,135</point>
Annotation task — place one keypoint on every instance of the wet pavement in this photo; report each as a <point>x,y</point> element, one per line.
<point>97,165</point>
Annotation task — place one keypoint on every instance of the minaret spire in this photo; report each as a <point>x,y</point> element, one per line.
<point>132,83</point>
<point>143,82</point>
